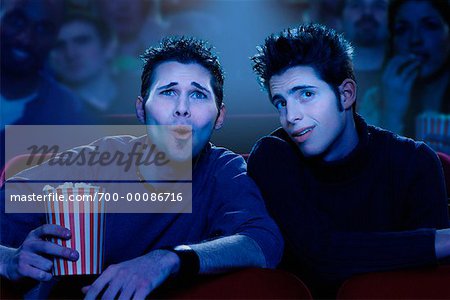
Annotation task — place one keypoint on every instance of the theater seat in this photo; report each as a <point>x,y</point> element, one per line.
<point>428,283</point>
<point>20,163</point>
<point>245,284</point>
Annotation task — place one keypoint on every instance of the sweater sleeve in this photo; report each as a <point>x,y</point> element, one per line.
<point>239,208</point>
<point>311,235</point>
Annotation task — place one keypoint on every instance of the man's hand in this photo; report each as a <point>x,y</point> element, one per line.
<point>31,259</point>
<point>135,278</point>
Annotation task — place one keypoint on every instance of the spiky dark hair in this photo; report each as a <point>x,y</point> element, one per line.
<point>313,45</point>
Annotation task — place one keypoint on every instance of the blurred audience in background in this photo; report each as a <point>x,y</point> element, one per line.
<point>364,23</point>
<point>328,13</point>
<point>101,63</point>
<point>81,60</point>
<point>414,96</point>
<point>28,93</point>
<point>190,17</point>
<point>137,24</point>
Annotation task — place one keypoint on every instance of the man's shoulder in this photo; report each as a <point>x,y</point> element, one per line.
<point>274,144</point>
<point>224,160</point>
<point>50,89</point>
<point>401,150</point>
<point>74,161</point>
<point>118,142</point>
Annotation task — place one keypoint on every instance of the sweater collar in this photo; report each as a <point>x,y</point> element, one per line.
<point>340,170</point>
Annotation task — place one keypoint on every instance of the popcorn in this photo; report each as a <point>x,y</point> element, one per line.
<point>82,213</point>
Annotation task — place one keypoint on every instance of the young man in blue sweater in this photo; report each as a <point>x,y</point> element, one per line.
<point>349,198</point>
<point>229,228</point>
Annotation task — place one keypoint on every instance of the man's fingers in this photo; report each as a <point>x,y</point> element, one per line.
<point>40,262</point>
<point>52,230</point>
<point>142,292</point>
<point>49,248</point>
<point>35,273</point>
<point>100,283</point>
<point>114,287</point>
<point>128,291</point>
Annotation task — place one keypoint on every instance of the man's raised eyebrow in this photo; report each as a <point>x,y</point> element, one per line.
<point>276,97</point>
<point>300,87</point>
<point>197,85</point>
<point>167,86</point>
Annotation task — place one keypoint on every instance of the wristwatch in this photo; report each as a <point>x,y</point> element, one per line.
<point>189,261</point>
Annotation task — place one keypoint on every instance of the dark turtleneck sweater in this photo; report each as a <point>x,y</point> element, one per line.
<point>375,210</point>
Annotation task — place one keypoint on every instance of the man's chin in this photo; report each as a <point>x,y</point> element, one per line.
<point>309,151</point>
<point>179,156</point>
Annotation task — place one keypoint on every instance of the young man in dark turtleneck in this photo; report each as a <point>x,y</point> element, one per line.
<point>349,197</point>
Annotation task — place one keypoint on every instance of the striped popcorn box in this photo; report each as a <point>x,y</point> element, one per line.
<point>82,213</point>
<point>434,129</point>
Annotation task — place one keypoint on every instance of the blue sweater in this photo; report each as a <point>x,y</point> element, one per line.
<point>375,210</point>
<point>225,202</point>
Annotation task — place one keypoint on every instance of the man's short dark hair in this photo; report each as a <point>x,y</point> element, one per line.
<point>184,50</point>
<point>313,45</point>
<point>104,32</point>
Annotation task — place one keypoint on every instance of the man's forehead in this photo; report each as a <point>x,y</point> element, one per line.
<point>293,75</point>
<point>174,71</point>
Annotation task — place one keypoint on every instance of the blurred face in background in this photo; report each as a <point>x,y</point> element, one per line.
<point>420,30</point>
<point>124,17</point>
<point>80,54</point>
<point>365,22</point>
<point>28,31</point>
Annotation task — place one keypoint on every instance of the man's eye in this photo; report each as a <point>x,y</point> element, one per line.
<point>307,94</point>
<point>280,104</point>
<point>198,95</point>
<point>168,93</point>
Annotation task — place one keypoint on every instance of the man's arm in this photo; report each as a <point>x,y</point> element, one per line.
<point>240,234</point>
<point>140,276</point>
<point>227,253</point>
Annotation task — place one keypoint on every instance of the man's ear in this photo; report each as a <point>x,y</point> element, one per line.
<point>221,117</point>
<point>140,109</point>
<point>347,92</point>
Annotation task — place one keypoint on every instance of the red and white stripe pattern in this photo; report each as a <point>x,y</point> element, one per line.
<point>86,220</point>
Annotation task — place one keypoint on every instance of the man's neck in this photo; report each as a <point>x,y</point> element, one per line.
<point>369,58</point>
<point>345,143</point>
<point>17,87</point>
<point>99,91</point>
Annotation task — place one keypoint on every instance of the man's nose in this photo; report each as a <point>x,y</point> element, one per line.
<point>182,108</point>
<point>294,112</point>
<point>70,51</point>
